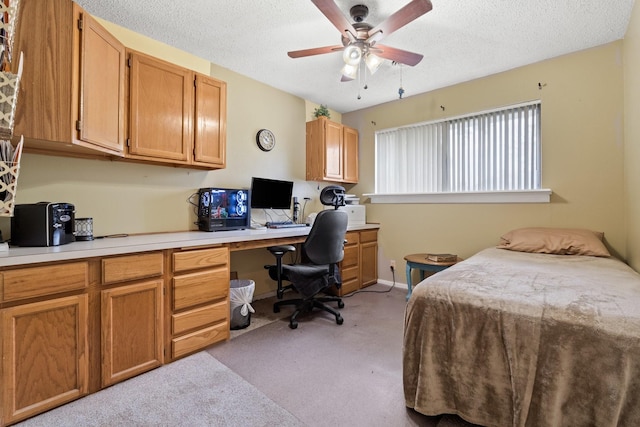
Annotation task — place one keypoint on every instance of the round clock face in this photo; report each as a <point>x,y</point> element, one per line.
<point>266,139</point>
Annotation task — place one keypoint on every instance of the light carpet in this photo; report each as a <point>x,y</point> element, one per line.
<point>328,375</point>
<point>194,391</point>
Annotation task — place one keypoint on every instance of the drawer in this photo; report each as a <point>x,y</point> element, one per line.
<point>47,280</point>
<point>198,288</point>
<point>351,255</point>
<point>200,339</point>
<point>202,258</point>
<point>350,273</point>
<point>199,317</point>
<point>348,287</point>
<point>352,238</point>
<point>368,236</point>
<point>131,267</point>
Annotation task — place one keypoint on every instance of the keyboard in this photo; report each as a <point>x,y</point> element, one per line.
<point>270,223</point>
<point>289,225</point>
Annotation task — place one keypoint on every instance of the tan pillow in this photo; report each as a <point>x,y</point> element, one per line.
<point>563,241</point>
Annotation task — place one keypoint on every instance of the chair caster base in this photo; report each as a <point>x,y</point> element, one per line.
<point>339,320</point>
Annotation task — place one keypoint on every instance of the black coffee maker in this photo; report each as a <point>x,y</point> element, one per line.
<point>43,224</point>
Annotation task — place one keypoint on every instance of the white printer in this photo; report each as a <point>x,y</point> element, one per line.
<point>357,212</point>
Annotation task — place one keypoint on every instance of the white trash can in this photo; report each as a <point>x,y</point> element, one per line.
<point>240,298</point>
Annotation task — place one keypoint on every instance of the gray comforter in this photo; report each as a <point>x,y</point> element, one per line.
<point>514,339</point>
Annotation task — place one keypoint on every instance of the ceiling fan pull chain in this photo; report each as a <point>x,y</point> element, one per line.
<point>359,78</point>
<point>364,71</point>
<point>400,90</point>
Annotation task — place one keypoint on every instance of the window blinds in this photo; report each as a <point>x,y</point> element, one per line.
<point>490,151</point>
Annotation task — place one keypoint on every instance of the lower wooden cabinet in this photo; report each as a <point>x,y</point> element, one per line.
<point>350,265</point>
<point>199,299</point>
<point>369,257</point>
<point>72,328</point>
<point>359,267</point>
<point>45,356</point>
<point>131,330</point>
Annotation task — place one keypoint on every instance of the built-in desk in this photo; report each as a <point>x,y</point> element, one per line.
<point>79,317</point>
<point>236,240</point>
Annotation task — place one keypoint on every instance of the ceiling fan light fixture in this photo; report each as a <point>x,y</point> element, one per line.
<point>352,55</point>
<point>350,71</point>
<point>373,62</point>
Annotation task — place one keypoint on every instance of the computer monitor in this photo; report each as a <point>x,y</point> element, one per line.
<point>271,193</point>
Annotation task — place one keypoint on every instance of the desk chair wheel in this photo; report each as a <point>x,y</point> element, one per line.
<point>340,304</point>
<point>339,320</point>
<point>293,324</point>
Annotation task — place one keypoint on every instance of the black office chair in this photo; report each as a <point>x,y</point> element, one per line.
<point>321,252</point>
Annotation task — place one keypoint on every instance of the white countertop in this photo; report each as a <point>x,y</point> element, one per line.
<point>146,242</point>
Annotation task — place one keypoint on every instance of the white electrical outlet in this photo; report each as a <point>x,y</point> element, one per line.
<point>392,264</point>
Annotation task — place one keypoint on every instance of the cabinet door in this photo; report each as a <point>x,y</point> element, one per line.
<point>369,257</point>
<point>210,122</point>
<point>161,110</point>
<point>314,148</point>
<point>131,330</point>
<point>45,356</point>
<point>333,151</point>
<point>72,78</point>
<point>350,155</point>
<point>101,106</point>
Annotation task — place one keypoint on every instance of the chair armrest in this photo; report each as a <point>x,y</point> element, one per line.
<point>279,250</point>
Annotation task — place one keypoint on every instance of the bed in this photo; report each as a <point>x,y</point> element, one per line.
<point>513,338</point>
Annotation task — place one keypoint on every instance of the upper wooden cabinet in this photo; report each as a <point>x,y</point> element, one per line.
<point>210,135</point>
<point>160,110</point>
<point>175,115</point>
<point>71,95</point>
<point>350,155</point>
<point>332,152</point>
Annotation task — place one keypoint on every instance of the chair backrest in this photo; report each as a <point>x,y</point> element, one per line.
<point>332,195</point>
<point>325,242</point>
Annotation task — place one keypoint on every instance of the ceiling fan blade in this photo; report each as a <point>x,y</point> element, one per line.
<point>314,51</point>
<point>398,55</point>
<point>335,15</point>
<point>402,17</point>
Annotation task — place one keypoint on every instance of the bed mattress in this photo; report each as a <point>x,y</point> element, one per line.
<point>517,339</point>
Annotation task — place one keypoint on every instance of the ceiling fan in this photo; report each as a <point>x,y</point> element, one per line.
<point>360,40</point>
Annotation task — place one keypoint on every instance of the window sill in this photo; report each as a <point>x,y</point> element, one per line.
<point>524,196</point>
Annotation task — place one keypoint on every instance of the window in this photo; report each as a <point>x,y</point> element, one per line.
<point>490,152</point>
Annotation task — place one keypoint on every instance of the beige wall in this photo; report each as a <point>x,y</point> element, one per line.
<point>582,160</point>
<point>582,157</point>
<point>311,107</point>
<point>632,137</point>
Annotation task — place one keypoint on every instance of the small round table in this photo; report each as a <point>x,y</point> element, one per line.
<point>421,262</point>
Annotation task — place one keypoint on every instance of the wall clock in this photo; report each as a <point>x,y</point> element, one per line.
<point>265,139</point>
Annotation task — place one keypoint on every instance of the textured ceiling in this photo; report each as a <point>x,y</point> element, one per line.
<point>460,40</point>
